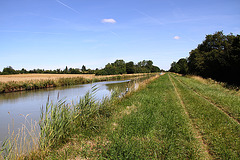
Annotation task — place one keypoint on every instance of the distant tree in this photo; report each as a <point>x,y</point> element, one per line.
<point>101,72</point>
<point>130,67</point>
<point>58,71</point>
<point>149,65</point>
<point>8,70</point>
<point>175,67</point>
<point>110,69</point>
<point>120,66</point>
<point>183,66</point>
<point>65,70</point>
<point>155,69</point>
<point>91,71</point>
<point>84,68</point>
<point>23,71</point>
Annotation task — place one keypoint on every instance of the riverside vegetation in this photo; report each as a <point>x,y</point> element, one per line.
<point>55,80</point>
<point>172,117</point>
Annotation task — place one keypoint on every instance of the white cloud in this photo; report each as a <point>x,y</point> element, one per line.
<point>176,37</point>
<point>109,21</point>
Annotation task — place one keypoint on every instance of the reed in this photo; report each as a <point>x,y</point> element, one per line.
<point>60,122</point>
<point>21,143</point>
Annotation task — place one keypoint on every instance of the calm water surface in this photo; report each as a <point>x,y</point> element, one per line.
<point>14,106</point>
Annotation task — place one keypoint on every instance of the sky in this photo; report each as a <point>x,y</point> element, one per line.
<point>51,34</point>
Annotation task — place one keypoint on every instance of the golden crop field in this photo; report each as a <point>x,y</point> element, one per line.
<point>28,77</point>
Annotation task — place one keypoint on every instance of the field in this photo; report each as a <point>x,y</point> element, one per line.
<point>30,77</point>
<point>171,117</point>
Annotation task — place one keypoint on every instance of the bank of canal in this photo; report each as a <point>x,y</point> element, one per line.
<point>14,107</point>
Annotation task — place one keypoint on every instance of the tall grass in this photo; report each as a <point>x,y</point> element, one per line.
<point>19,144</point>
<point>58,124</point>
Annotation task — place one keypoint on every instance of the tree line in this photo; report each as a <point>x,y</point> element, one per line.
<point>10,70</point>
<point>121,67</point>
<point>118,67</point>
<point>217,57</point>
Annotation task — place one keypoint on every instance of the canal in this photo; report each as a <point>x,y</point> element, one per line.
<point>16,106</point>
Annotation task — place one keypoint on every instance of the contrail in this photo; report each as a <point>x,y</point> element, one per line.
<point>19,31</point>
<point>68,7</point>
<point>151,17</point>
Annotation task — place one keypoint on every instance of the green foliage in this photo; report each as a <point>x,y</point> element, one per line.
<point>120,67</point>
<point>8,70</point>
<point>180,67</point>
<point>60,122</point>
<point>217,57</point>
<point>84,68</point>
<point>130,68</point>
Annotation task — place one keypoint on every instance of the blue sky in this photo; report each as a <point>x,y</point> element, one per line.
<point>51,34</point>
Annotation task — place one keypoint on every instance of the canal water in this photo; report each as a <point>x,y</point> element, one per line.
<point>14,107</point>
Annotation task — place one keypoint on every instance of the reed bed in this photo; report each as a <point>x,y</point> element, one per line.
<point>21,143</point>
<point>58,124</point>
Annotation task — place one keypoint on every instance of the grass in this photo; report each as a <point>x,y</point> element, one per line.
<point>227,99</point>
<point>220,132</point>
<point>152,125</point>
<point>59,124</point>
<point>170,117</point>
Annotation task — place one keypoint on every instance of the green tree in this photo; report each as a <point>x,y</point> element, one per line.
<point>130,67</point>
<point>65,71</point>
<point>110,69</point>
<point>8,70</point>
<point>217,57</point>
<point>149,65</point>
<point>84,68</point>
<point>183,66</point>
<point>155,69</point>
<point>23,70</point>
<point>120,66</point>
<point>175,67</point>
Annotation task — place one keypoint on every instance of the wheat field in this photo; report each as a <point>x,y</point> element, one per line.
<point>29,77</point>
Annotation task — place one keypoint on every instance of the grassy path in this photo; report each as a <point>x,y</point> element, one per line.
<point>152,124</point>
<point>173,117</point>
<point>195,129</point>
<point>226,100</point>
<point>219,131</point>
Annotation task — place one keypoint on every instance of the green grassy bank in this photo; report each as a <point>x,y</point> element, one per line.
<point>171,117</point>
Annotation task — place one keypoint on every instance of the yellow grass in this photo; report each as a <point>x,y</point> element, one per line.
<point>30,77</point>
<point>200,79</point>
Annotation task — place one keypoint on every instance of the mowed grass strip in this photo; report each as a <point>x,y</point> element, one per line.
<point>194,128</point>
<point>151,124</point>
<point>227,100</point>
<point>220,132</point>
